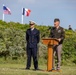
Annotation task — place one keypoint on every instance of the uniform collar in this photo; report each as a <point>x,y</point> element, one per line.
<point>58,27</point>
<point>32,29</point>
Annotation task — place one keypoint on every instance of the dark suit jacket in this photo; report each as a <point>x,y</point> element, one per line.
<point>32,37</point>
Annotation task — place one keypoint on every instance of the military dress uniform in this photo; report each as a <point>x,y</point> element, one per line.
<point>58,33</point>
<point>32,38</point>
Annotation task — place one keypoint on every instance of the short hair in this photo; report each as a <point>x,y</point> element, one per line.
<point>56,19</point>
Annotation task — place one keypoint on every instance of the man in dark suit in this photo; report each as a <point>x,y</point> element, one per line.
<point>69,27</point>
<point>32,38</point>
<point>57,32</point>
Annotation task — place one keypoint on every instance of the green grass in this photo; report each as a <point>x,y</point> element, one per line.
<point>19,69</point>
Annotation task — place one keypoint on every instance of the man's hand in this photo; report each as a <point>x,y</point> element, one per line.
<point>59,39</point>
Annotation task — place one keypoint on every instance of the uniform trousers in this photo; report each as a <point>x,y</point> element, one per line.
<point>57,52</point>
<point>32,52</point>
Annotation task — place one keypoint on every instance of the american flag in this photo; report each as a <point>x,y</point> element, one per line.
<point>6,10</point>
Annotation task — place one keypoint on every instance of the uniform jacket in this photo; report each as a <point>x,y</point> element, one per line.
<point>32,37</point>
<point>58,33</point>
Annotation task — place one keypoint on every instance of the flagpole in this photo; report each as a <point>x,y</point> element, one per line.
<point>3,16</point>
<point>22,16</point>
<point>22,19</point>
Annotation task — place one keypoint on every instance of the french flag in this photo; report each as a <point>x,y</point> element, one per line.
<point>6,10</point>
<point>26,11</point>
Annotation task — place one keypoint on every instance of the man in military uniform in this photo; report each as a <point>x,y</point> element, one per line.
<point>32,38</point>
<point>57,32</point>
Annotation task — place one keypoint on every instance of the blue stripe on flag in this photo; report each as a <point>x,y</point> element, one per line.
<point>23,13</point>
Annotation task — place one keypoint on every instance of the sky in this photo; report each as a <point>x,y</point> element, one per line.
<point>43,12</point>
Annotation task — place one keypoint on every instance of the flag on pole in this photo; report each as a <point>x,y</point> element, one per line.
<point>26,12</point>
<point>6,10</point>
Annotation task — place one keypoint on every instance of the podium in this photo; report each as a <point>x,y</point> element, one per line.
<point>50,42</point>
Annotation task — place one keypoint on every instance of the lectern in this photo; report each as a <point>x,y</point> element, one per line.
<point>50,42</point>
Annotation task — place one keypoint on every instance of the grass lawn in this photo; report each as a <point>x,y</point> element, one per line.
<point>19,69</point>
